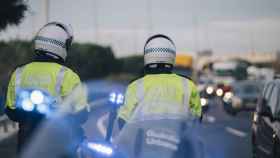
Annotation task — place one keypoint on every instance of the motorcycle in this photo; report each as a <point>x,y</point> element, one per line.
<point>150,134</point>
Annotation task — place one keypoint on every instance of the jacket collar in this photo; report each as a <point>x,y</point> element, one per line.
<point>44,57</point>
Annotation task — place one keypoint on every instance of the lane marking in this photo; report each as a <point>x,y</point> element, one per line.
<point>236,132</point>
<point>264,149</point>
<point>101,124</point>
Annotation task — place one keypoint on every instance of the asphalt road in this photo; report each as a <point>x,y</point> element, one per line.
<point>224,136</point>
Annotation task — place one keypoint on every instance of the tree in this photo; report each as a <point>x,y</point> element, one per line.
<point>11,12</point>
<point>132,64</point>
<point>91,61</point>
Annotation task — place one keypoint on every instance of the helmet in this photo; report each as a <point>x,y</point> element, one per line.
<point>55,39</point>
<point>159,49</point>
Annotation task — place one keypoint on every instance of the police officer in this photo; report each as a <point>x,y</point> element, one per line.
<point>47,72</point>
<point>159,59</point>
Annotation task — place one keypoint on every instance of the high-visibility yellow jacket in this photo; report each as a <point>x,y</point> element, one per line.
<point>156,89</point>
<point>56,79</point>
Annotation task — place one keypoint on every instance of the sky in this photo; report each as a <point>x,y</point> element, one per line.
<point>224,26</point>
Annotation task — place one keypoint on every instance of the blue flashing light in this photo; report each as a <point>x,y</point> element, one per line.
<point>27,105</point>
<point>120,99</point>
<point>33,99</point>
<point>37,97</point>
<point>113,97</point>
<point>24,94</point>
<point>116,98</point>
<point>100,148</point>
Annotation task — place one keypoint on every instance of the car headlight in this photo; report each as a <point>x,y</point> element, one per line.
<point>203,101</point>
<point>219,92</point>
<point>209,90</point>
<point>228,97</point>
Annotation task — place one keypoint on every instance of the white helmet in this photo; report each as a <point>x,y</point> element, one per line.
<point>54,38</point>
<point>159,49</point>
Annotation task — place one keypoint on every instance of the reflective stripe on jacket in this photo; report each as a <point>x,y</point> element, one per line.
<point>156,89</point>
<point>58,80</point>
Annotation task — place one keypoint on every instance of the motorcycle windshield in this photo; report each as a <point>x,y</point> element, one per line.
<point>167,130</point>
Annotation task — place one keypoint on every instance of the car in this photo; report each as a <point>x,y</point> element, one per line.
<point>266,123</point>
<point>244,95</point>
